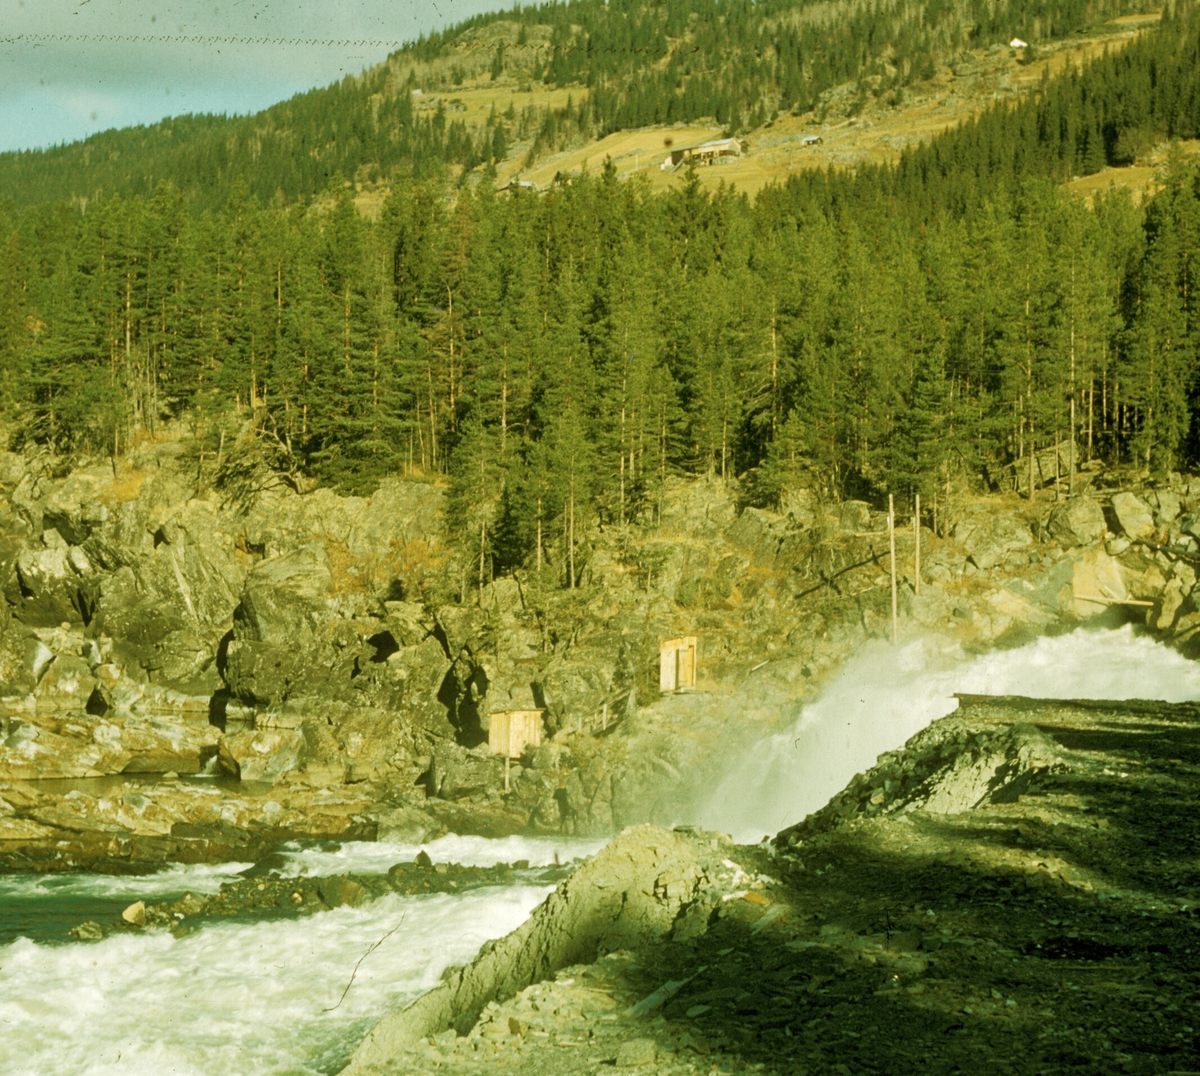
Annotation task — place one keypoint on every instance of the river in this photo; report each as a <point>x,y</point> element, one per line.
<point>262,998</point>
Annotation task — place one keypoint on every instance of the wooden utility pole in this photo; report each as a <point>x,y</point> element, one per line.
<point>917,547</point>
<point>892,543</point>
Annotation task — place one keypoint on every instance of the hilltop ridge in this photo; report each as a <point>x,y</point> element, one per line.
<point>565,75</point>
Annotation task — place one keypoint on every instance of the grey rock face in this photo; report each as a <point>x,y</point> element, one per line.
<point>1167,504</point>
<point>1134,515</point>
<point>636,890</point>
<point>48,587</point>
<point>456,772</point>
<point>942,770</point>
<point>994,537</point>
<point>1080,521</point>
<point>275,625</point>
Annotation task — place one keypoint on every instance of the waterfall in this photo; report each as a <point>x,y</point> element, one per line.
<point>885,694</point>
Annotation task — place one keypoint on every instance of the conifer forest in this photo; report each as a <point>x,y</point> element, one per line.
<point>558,356</point>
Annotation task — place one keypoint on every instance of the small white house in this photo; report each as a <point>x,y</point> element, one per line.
<point>811,140</point>
<point>1017,43</point>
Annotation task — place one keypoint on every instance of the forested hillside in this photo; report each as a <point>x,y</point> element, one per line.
<point>560,356</point>
<point>631,62</point>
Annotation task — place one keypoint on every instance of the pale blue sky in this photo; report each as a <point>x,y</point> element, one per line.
<point>70,68</point>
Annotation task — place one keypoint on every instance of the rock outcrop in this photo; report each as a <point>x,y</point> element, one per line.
<point>321,641</point>
<point>646,884</point>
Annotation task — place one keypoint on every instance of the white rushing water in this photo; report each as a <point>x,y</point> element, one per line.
<point>251,998</point>
<point>247,998</point>
<point>377,856</point>
<point>171,881</point>
<point>236,998</point>
<point>884,694</point>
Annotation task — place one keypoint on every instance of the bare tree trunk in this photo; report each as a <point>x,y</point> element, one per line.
<point>482,548</point>
<point>892,544</point>
<point>571,534</point>
<point>504,403</point>
<point>1071,455</point>
<point>1032,461</point>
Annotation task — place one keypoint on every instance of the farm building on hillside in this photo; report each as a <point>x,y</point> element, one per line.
<point>517,185</point>
<point>717,152</point>
<point>811,140</point>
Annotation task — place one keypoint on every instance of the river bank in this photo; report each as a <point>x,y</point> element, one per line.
<point>242,920</point>
<point>1016,888</point>
<point>247,666</point>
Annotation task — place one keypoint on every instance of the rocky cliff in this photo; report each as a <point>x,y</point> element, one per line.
<point>318,652</point>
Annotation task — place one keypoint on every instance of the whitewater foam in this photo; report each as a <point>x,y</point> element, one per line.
<point>170,881</point>
<point>377,856</point>
<point>250,999</point>
<point>884,694</point>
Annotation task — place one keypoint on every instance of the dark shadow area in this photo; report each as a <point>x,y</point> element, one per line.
<point>218,706</point>
<point>385,646</point>
<point>1057,932</point>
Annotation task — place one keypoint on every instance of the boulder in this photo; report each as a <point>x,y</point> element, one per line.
<point>589,800</point>
<point>461,625</point>
<point>1167,504</point>
<point>800,504</point>
<point>937,772</point>
<point>408,622</point>
<point>67,684</point>
<point>396,515</point>
<point>1163,616</point>
<point>646,884</point>
<point>12,469</point>
<point>406,824</point>
<point>1134,515</point>
<point>142,623</point>
<point>261,673</point>
<point>418,673</point>
<point>994,537</point>
<point>455,772</point>
<point>703,508</point>
<point>275,626</point>
<point>759,533</point>
<point>283,597</point>
<point>37,659</point>
<point>184,660</point>
<point>195,566</point>
<point>853,516</point>
<point>47,593</point>
<point>261,754</point>
<point>634,1053</point>
<point>1096,577</point>
<point>340,891</point>
<point>1079,521</point>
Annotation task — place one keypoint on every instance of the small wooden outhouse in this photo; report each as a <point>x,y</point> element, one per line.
<point>677,664</point>
<point>511,731</point>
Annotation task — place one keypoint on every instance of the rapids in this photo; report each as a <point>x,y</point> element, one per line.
<point>261,999</point>
<point>884,694</point>
<point>245,998</point>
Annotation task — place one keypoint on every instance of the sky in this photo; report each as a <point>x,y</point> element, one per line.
<point>70,68</point>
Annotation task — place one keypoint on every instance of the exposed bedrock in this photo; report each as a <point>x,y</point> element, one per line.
<point>314,642</point>
<point>646,884</point>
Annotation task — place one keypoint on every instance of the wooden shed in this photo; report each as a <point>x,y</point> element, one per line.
<point>716,152</point>
<point>677,664</point>
<point>511,731</point>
